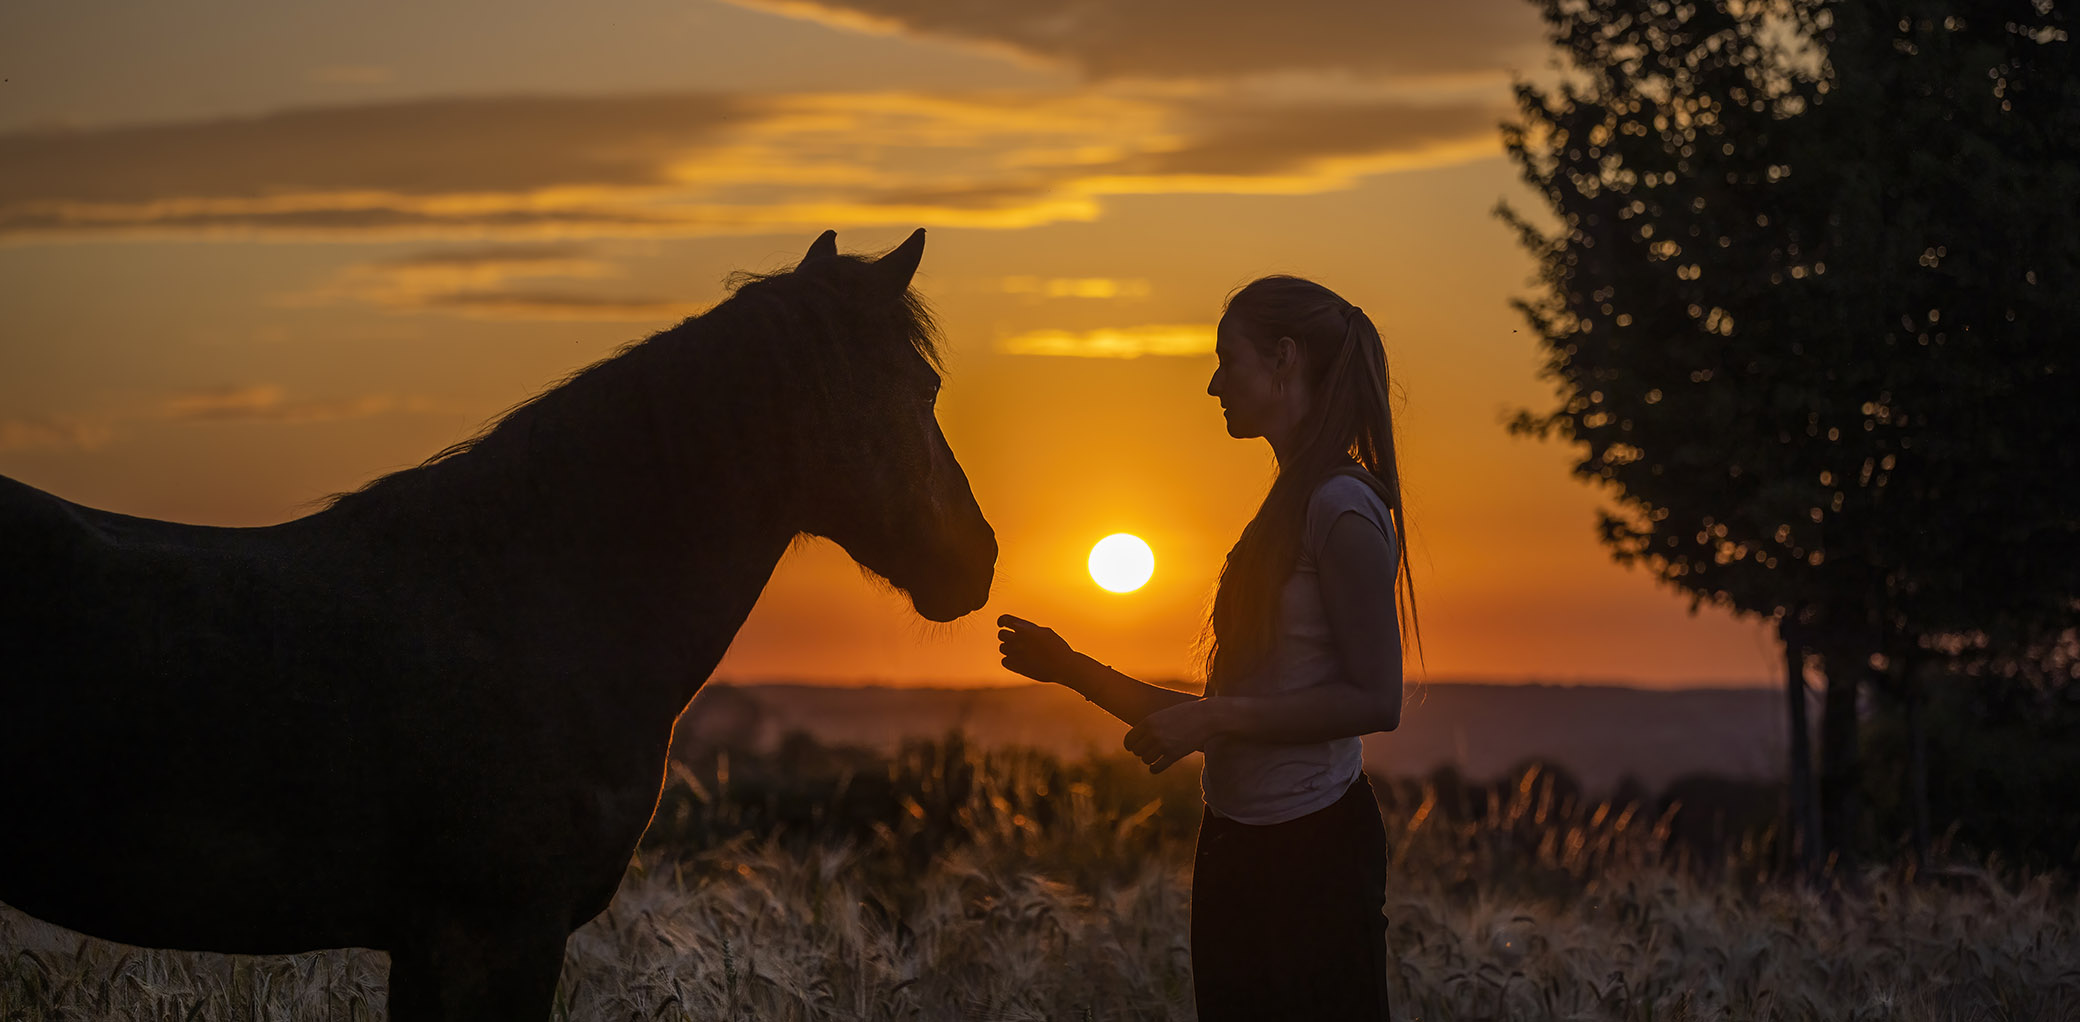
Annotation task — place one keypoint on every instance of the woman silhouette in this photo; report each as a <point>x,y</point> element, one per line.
<point>1289,880</point>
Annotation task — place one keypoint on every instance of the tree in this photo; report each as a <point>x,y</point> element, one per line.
<point>2003,726</point>
<point>1804,367</point>
<point>1968,222</point>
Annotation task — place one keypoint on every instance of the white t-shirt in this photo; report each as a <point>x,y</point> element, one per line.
<point>1264,783</point>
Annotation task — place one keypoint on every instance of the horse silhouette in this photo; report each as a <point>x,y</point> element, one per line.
<point>432,718</point>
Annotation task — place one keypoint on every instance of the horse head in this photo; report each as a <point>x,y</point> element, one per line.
<point>881,481</point>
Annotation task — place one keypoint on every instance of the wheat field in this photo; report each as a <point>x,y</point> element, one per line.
<point>1008,886</point>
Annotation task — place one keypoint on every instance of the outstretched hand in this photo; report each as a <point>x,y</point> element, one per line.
<point>1174,732</point>
<point>1034,651</point>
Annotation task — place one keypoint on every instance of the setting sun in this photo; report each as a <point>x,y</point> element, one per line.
<point>1122,563</point>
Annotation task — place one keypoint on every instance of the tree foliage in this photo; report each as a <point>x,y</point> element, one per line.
<point>1809,308</point>
<point>1678,294</point>
<point>1806,307</point>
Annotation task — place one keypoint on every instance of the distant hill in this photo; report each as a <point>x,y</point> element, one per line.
<point>1599,733</point>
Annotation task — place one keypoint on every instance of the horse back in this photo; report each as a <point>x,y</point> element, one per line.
<point>275,739</point>
<point>84,588</point>
<point>153,715</point>
<point>172,636</point>
<point>42,541</point>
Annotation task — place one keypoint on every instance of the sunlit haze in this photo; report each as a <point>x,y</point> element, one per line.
<point>253,254</point>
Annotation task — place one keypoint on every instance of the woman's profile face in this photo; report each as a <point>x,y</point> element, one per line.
<point>1244,382</point>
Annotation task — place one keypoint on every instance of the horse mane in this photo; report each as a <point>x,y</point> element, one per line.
<point>774,311</point>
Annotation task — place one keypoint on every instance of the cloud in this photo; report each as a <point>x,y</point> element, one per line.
<point>53,435</point>
<point>260,402</point>
<point>535,168</point>
<point>267,402</point>
<point>1207,39</point>
<point>491,263</point>
<point>422,148</point>
<point>1075,287</point>
<point>352,74</point>
<point>1114,342</point>
<point>1282,140</point>
<point>475,282</point>
<point>538,305</point>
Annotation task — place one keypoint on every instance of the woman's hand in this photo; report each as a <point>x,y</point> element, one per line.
<point>1034,651</point>
<point>1172,733</point>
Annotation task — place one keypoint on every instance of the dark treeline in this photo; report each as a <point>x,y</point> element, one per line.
<point>1508,833</point>
<point>2006,802</point>
<point>1807,302</point>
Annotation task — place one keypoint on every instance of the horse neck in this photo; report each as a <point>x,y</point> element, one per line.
<point>625,523</point>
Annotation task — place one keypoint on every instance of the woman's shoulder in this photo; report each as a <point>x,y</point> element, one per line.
<point>1341,492</point>
<point>1346,491</point>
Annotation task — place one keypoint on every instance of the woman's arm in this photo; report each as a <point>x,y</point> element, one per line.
<point>1040,654</point>
<point>1123,697</point>
<point>1356,566</point>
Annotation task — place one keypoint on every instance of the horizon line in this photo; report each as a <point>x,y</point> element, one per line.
<point>1468,680</point>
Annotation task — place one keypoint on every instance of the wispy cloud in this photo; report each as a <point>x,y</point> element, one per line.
<point>53,435</point>
<point>352,74</point>
<point>1114,342</point>
<point>534,168</point>
<point>1075,287</point>
<point>267,402</point>
<point>478,282</point>
<point>1206,39</point>
<point>257,403</point>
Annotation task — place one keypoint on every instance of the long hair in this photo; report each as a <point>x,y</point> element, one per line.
<point>1349,429</point>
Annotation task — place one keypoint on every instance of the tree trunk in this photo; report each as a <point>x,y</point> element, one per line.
<point>1917,754</point>
<point>1839,806</point>
<point>1802,827</point>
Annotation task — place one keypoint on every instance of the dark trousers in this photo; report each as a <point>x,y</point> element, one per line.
<point>1288,920</point>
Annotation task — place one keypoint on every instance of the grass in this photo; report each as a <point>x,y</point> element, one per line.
<point>947,883</point>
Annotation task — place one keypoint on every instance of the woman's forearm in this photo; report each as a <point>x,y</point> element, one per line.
<point>1119,695</point>
<point>1320,714</point>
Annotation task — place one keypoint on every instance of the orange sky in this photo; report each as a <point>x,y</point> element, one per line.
<point>252,254</point>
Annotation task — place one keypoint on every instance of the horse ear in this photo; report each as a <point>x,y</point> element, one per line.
<point>824,247</point>
<point>898,266</point>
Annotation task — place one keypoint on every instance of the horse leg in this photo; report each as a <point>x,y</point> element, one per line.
<point>474,972</point>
